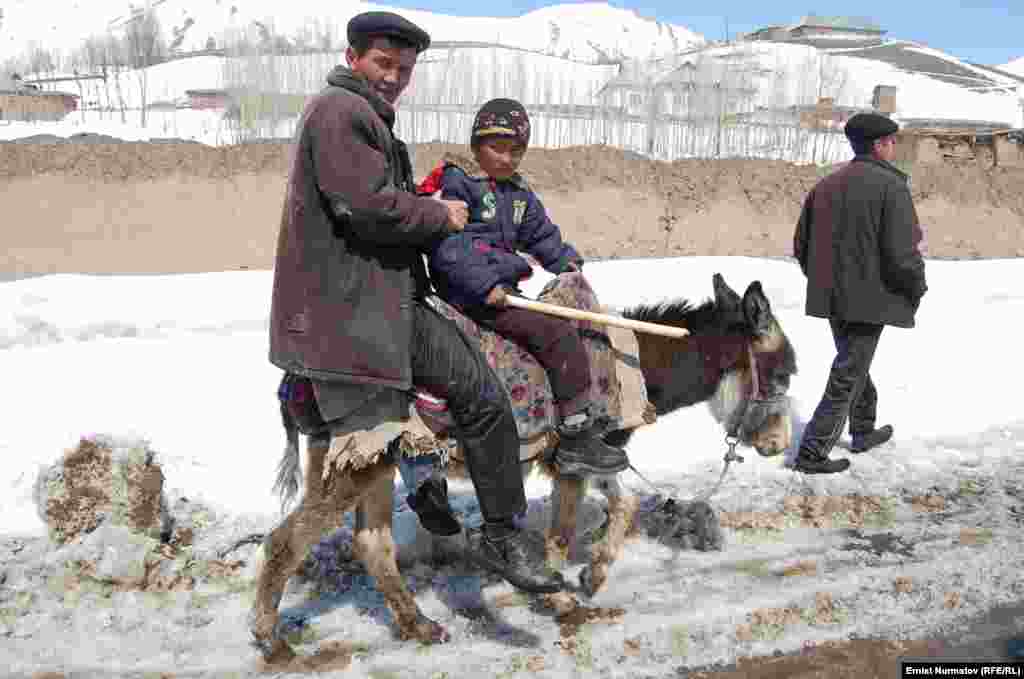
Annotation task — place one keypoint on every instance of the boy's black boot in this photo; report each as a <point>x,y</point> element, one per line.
<point>582,450</point>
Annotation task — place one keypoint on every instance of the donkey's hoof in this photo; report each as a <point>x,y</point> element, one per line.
<point>426,631</point>
<point>274,651</point>
<point>265,630</point>
<point>590,582</point>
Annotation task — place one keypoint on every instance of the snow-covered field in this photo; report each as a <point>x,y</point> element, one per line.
<point>181,361</point>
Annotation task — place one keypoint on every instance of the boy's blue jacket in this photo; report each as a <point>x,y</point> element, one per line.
<point>504,217</point>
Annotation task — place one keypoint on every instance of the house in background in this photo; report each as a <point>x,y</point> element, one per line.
<point>692,86</point>
<point>25,102</point>
<point>823,116</point>
<point>631,92</point>
<point>822,30</point>
<point>208,100</point>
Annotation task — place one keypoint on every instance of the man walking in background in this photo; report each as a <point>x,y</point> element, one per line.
<point>857,242</point>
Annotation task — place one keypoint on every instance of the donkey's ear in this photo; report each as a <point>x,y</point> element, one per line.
<point>725,297</point>
<point>756,309</point>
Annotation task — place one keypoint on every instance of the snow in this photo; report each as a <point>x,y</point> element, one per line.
<point>458,81</point>
<point>181,361</point>
<point>558,29</point>
<point>1016,66</point>
<point>206,127</point>
<point>142,350</point>
<point>547,60</point>
<point>852,80</point>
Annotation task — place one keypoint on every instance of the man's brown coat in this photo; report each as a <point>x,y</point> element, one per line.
<point>348,262</point>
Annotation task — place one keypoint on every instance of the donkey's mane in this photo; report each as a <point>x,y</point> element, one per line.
<point>680,313</point>
<point>687,381</point>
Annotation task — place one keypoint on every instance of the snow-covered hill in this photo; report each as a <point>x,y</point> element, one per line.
<point>1016,66</point>
<point>588,31</point>
<point>931,85</point>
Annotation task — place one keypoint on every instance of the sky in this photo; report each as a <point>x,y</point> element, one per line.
<point>982,31</point>
<point>135,355</point>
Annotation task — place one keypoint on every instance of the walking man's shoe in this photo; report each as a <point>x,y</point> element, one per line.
<point>501,550</point>
<point>876,437</point>
<point>822,465</point>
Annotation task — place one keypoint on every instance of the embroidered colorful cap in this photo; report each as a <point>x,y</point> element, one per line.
<point>503,118</point>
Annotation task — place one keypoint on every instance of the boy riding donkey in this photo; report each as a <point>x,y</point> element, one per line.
<point>475,269</point>
<point>349,323</point>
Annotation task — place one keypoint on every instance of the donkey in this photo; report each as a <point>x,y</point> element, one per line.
<point>736,358</point>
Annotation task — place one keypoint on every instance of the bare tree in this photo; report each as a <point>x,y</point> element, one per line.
<point>325,35</point>
<point>90,59</point>
<point>830,80</point>
<point>115,60</point>
<point>40,62</point>
<point>144,46</point>
<point>304,37</point>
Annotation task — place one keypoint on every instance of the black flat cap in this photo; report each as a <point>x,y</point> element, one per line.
<point>388,23</point>
<point>867,127</point>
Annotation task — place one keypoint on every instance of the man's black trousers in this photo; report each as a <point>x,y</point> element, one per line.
<point>850,394</point>
<point>448,366</point>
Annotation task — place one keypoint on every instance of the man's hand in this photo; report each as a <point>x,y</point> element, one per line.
<point>458,214</point>
<point>496,297</point>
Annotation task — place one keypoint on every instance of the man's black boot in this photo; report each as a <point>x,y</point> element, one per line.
<point>430,502</point>
<point>581,450</point>
<point>866,441</point>
<point>499,548</point>
<point>809,464</point>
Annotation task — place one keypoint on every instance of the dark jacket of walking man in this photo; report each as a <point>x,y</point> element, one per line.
<point>348,308</point>
<point>857,242</point>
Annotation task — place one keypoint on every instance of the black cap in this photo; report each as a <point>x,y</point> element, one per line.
<point>864,128</point>
<point>388,23</point>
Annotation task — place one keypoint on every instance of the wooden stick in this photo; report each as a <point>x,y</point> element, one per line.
<point>603,319</point>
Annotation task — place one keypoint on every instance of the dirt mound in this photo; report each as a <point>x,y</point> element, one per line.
<point>139,207</point>
<point>105,159</point>
<point>625,204</point>
<point>101,480</point>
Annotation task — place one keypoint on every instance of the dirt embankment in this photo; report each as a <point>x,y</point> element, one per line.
<point>166,207</point>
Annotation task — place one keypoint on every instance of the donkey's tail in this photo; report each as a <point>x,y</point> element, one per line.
<point>289,470</point>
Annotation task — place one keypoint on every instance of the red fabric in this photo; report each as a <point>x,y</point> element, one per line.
<point>431,184</point>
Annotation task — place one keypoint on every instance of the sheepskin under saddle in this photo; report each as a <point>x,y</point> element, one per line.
<point>618,392</point>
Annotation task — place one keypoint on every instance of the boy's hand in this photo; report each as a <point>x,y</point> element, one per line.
<point>496,297</point>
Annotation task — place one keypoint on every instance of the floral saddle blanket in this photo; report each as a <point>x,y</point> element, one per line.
<point>422,426</point>
<point>618,393</point>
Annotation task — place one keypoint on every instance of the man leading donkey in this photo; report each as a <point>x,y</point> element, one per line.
<point>348,310</point>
